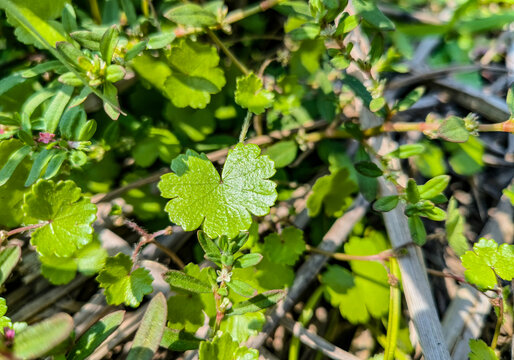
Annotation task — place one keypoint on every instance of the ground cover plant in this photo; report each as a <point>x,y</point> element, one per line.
<point>278,179</point>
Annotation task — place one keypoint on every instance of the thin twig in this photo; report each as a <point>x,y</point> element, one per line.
<point>227,52</point>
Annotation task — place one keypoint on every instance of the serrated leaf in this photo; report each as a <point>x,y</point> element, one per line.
<point>176,340</point>
<point>258,302</point>
<point>149,335</point>
<point>96,334</point>
<point>386,203</point>
<point>221,205</point>
<point>453,129</point>
<point>191,15</point>
<point>247,260</point>
<point>367,168</point>
<point>417,230</point>
<point>9,257</point>
<point>196,74</point>
<point>488,260</point>
<point>250,94</point>
<point>158,143</point>
<point>433,187</point>
<point>455,229</point>
<point>38,339</point>
<point>282,153</point>
<point>480,351</point>
<point>68,213</point>
<point>332,192</point>
<point>178,279</point>
<point>371,13</point>
<point>286,247</point>
<point>123,285</point>
<point>223,347</point>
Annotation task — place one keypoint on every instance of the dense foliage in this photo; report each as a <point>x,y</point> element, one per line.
<point>255,125</point>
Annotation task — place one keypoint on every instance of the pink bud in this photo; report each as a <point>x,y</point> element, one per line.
<point>45,137</point>
<point>9,333</point>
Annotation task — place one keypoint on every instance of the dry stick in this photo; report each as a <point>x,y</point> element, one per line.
<point>316,342</point>
<point>310,268</point>
<point>213,156</point>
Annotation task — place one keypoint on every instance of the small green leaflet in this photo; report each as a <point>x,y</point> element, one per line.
<point>61,270</point>
<point>68,214</point>
<point>480,351</point>
<point>250,94</point>
<point>333,192</point>
<point>455,229</point>
<point>221,205</point>
<point>196,74</point>
<point>157,143</point>
<point>191,15</point>
<point>283,153</point>
<point>285,247</point>
<point>4,320</point>
<point>224,348</point>
<point>453,129</point>
<point>488,260</point>
<point>123,285</point>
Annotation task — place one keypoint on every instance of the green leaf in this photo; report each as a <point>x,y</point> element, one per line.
<point>177,279</point>
<point>110,92</point>
<point>453,129</point>
<point>12,163</point>
<point>386,203</point>
<point>149,335</point>
<point>123,285</point>
<point>69,217</point>
<point>510,100</point>
<point>4,320</point>
<point>241,288</point>
<point>433,187</point>
<point>158,41</point>
<point>411,98</point>
<point>9,257</point>
<point>250,94</point>
<point>332,192</point>
<point>282,153</point>
<point>88,39</point>
<point>431,162</point>
<point>196,74</point>
<point>455,229</point>
<point>367,168</point>
<point>108,43</point>
<point>179,340</point>
<point>96,334</point>
<point>247,260</point>
<point>480,351</point>
<point>157,143</point>
<point>191,15</point>
<point>466,158</point>
<point>36,340</point>
<point>407,150</point>
<point>114,73</point>
<point>212,252</point>
<point>55,164</point>
<point>433,213</point>
<point>488,260</point>
<point>222,205</point>
<point>40,162</point>
<point>12,191</point>
<point>258,302</point>
<point>412,191</point>
<point>223,347</point>
<point>286,247</point>
<point>365,292</point>
<point>346,24</point>
<point>417,230</point>
<point>377,104</point>
<point>89,260</point>
<point>370,12</point>
<point>56,108</point>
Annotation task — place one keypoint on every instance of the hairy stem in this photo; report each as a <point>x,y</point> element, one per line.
<point>227,52</point>
<point>246,126</point>
<point>499,321</point>
<point>25,228</point>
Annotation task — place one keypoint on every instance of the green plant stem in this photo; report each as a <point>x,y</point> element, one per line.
<point>246,126</point>
<point>305,317</point>
<point>499,321</point>
<point>144,8</point>
<point>395,305</point>
<point>380,257</point>
<point>227,52</point>
<point>95,11</point>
